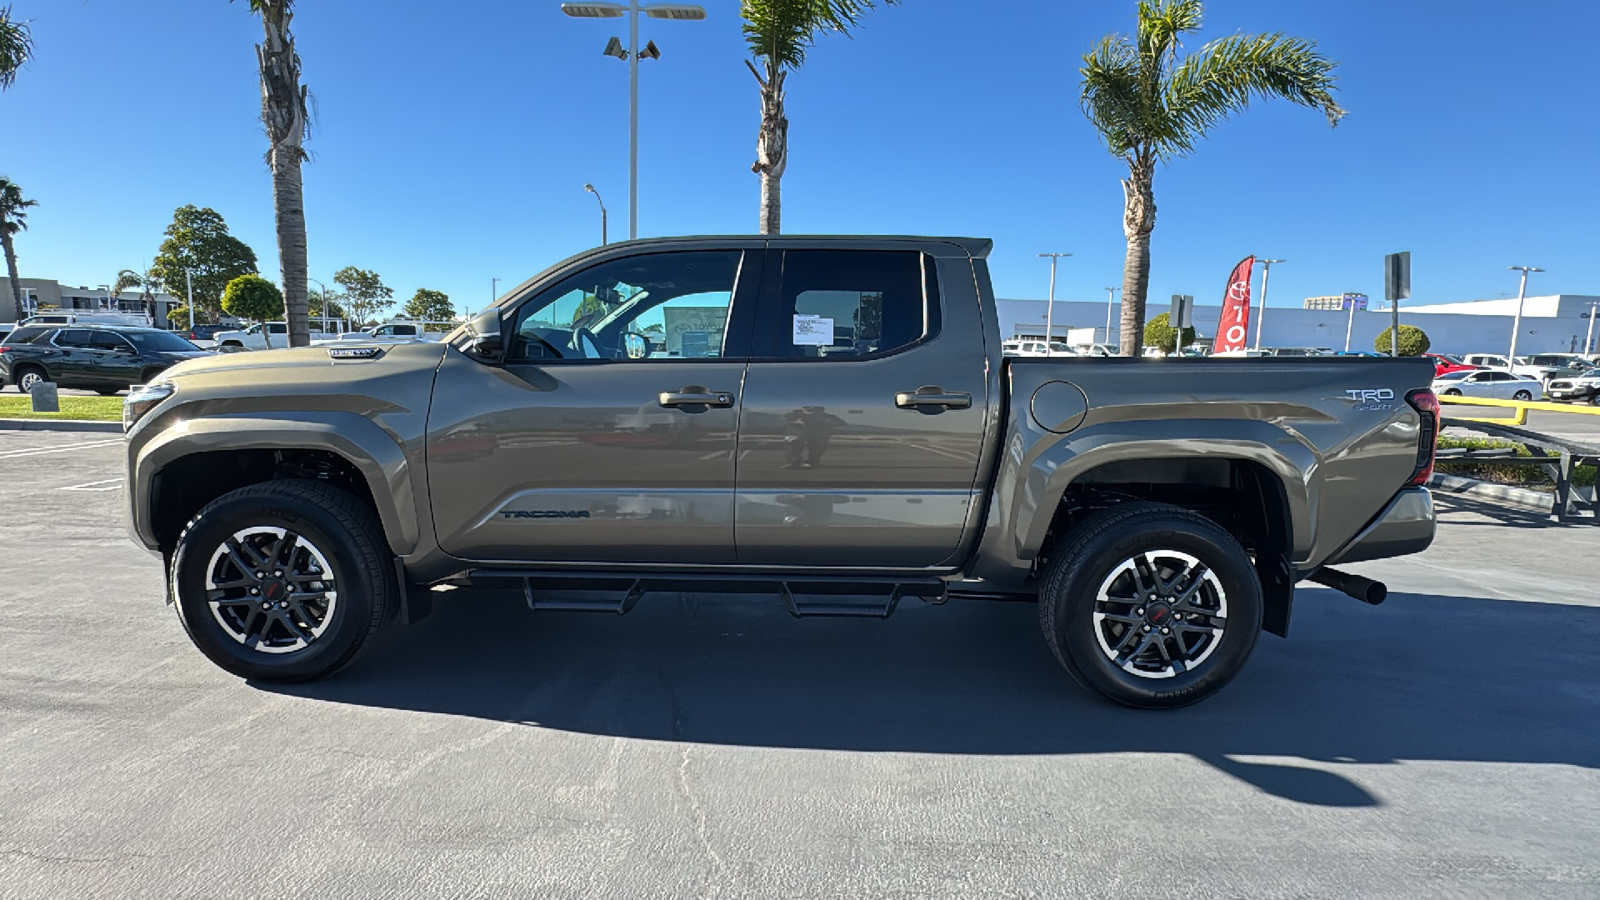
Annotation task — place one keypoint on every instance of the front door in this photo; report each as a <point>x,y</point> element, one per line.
<point>115,364</point>
<point>864,413</point>
<point>609,433</point>
<point>75,367</point>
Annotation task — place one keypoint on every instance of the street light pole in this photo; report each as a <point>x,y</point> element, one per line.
<point>322,300</point>
<point>494,290</point>
<point>590,189</point>
<point>188,281</point>
<point>1111,297</point>
<point>1588,337</point>
<point>603,10</point>
<point>1516,322</point>
<point>1050,304</point>
<point>1261,314</point>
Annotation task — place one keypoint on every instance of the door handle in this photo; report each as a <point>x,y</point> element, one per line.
<point>927,396</point>
<point>695,396</point>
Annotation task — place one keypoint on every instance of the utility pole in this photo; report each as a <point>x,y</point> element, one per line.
<point>1516,322</point>
<point>494,290</point>
<point>1588,337</point>
<point>1050,304</point>
<point>188,280</point>
<point>1261,315</point>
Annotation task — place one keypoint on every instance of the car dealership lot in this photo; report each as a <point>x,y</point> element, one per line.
<point>1445,743</point>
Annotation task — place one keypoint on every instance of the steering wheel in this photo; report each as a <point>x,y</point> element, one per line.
<point>587,345</point>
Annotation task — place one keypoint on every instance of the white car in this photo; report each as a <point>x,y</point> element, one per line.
<point>390,332</point>
<point>1493,384</point>
<point>1036,348</point>
<point>1498,361</point>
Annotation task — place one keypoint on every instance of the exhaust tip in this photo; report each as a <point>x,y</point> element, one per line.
<point>1364,589</point>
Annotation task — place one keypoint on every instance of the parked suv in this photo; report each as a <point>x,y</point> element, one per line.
<point>101,358</point>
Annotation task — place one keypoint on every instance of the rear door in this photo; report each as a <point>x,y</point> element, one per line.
<point>75,366</point>
<point>864,411</point>
<point>575,450</point>
<point>116,362</point>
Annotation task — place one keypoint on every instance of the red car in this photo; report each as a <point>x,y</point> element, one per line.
<point>1443,364</point>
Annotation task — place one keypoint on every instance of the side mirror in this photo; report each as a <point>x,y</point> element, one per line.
<point>484,343</point>
<point>635,345</point>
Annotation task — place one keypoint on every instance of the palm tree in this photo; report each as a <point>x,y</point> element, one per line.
<point>16,47</point>
<point>779,33</point>
<point>285,112</point>
<point>1150,107</point>
<point>13,218</point>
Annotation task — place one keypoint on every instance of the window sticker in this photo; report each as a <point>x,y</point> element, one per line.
<point>815,331</point>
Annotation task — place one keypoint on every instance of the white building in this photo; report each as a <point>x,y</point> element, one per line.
<point>1558,323</point>
<point>48,295</point>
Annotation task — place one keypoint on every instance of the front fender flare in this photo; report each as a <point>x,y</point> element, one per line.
<point>374,452</point>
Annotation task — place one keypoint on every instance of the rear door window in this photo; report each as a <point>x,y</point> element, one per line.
<point>849,304</point>
<point>81,338</point>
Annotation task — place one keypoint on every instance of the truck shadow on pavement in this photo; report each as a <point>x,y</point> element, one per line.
<point>1422,678</point>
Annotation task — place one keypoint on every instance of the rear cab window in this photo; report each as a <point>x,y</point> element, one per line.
<point>850,304</point>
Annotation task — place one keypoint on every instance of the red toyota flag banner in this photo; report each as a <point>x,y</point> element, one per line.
<point>1235,322</point>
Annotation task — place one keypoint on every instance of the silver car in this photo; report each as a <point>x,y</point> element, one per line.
<point>1488,383</point>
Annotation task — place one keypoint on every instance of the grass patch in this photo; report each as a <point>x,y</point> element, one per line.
<point>98,409</point>
<point>1505,473</point>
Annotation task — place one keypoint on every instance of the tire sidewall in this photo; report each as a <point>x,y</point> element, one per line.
<point>352,614</point>
<point>1217,550</point>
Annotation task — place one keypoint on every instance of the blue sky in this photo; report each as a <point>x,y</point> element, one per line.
<point>453,140</point>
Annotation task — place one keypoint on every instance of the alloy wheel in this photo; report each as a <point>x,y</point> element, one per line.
<point>1160,613</point>
<point>271,589</point>
<point>26,383</point>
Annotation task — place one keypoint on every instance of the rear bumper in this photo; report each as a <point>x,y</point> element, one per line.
<point>1405,526</point>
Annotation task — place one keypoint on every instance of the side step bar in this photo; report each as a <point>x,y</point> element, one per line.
<point>845,596</point>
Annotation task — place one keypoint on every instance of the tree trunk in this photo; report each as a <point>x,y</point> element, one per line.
<point>1138,220</point>
<point>283,111</point>
<point>11,267</point>
<point>772,147</point>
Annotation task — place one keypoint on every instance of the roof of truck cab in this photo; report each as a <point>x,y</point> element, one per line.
<point>978,248</point>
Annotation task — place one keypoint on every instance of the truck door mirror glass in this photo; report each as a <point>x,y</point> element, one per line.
<point>635,345</point>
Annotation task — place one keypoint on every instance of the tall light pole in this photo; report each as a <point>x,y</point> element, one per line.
<point>1516,322</point>
<point>494,290</point>
<point>323,298</point>
<point>1261,314</point>
<point>1050,304</point>
<point>188,283</point>
<point>1588,337</point>
<point>598,10</point>
<point>1111,298</point>
<point>590,189</point>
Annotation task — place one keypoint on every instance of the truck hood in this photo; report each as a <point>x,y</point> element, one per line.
<point>268,366</point>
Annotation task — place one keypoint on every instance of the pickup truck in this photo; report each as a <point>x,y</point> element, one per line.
<point>828,421</point>
<point>260,336</point>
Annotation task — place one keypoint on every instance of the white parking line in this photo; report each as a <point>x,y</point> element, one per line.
<point>110,484</point>
<point>36,451</point>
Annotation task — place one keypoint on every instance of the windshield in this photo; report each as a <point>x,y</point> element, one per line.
<point>158,341</point>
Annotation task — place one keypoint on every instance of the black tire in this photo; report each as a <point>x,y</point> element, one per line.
<point>149,375</point>
<point>1088,557</point>
<point>107,391</point>
<point>335,524</point>
<point>1452,393</point>
<point>21,373</point>
<point>1594,400</point>
<point>1522,395</point>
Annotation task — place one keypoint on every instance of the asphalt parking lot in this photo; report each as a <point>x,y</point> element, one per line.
<point>1444,744</point>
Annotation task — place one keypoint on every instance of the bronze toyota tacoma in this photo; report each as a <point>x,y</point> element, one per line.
<point>827,420</point>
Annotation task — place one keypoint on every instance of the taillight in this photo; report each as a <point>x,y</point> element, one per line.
<point>1427,405</point>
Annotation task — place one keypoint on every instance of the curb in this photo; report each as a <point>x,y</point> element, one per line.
<point>1536,501</point>
<point>59,425</point>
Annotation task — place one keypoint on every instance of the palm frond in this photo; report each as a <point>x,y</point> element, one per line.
<point>779,32</point>
<point>1110,95</point>
<point>1163,22</point>
<point>1224,76</point>
<point>16,46</point>
<point>14,207</point>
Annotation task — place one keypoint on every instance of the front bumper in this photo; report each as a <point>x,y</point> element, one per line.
<point>1575,392</point>
<point>1405,526</point>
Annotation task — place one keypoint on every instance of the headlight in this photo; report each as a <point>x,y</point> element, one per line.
<point>142,399</point>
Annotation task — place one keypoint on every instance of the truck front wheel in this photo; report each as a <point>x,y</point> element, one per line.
<point>283,581</point>
<point>1152,606</point>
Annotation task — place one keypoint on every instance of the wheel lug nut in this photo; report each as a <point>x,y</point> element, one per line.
<point>255,590</point>
<point>266,606</point>
<point>283,605</point>
<point>1139,611</point>
<point>1147,628</point>
<point>1166,631</point>
<point>277,574</point>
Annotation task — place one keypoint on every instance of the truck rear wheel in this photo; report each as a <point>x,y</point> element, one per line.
<point>1152,606</point>
<point>283,581</point>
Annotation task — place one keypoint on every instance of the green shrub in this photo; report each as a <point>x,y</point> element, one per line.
<point>1505,473</point>
<point>1413,341</point>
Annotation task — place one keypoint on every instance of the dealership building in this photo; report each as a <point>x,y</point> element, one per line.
<point>49,295</point>
<point>1555,323</point>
